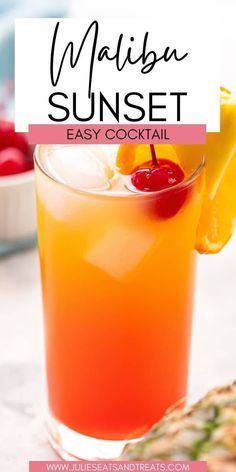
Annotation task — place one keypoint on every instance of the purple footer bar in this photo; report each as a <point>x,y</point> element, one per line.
<point>116,466</point>
<point>117,134</point>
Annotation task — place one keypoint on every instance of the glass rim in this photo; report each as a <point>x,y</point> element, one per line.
<point>105,194</point>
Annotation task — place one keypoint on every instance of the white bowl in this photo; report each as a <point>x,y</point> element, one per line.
<point>17,210</point>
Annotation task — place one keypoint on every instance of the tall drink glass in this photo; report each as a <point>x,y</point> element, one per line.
<point>118,284</point>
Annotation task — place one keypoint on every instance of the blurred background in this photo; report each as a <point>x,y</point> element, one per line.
<point>22,391</point>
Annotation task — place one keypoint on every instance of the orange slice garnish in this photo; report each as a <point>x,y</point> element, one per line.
<point>219,202</point>
<point>216,225</point>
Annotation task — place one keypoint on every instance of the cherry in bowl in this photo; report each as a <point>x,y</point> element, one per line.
<point>15,151</point>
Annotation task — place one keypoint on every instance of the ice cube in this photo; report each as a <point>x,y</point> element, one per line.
<point>121,249</point>
<point>84,167</point>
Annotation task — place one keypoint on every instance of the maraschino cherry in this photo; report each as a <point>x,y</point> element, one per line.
<point>160,174</point>
<point>15,152</point>
<point>12,161</point>
<point>9,138</point>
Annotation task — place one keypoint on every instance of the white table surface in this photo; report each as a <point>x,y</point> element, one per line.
<point>22,392</point>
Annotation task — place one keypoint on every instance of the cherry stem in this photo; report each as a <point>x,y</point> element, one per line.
<point>154,157</point>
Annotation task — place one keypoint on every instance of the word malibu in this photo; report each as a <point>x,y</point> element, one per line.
<point>132,106</point>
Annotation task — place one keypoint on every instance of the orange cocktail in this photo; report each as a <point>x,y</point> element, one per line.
<point>118,282</point>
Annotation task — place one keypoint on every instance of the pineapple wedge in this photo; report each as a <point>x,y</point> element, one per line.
<point>206,431</point>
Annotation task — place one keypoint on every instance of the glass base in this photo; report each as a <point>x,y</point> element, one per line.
<point>70,445</point>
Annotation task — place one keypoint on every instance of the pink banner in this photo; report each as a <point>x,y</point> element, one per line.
<point>117,134</point>
<point>117,466</point>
